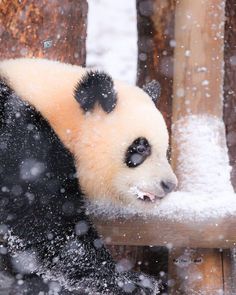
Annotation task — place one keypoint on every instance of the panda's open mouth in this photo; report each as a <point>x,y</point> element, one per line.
<point>144,195</point>
<point>147,197</point>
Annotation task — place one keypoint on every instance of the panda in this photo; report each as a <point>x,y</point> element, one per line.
<point>68,134</point>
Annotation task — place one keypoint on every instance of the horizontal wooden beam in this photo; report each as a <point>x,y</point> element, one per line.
<point>211,233</point>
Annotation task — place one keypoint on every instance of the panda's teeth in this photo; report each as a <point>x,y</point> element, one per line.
<point>146,196</point>
<point>150,196</point>
<point>140,196</point>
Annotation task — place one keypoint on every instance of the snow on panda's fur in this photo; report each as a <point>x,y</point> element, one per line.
<point>59,120</point>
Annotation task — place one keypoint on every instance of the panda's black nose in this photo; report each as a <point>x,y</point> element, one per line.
<point>168,186</point>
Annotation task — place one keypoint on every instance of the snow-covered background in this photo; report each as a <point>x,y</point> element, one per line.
<point>112,38</point>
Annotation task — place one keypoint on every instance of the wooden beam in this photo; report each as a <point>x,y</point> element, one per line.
<point>211,233</point>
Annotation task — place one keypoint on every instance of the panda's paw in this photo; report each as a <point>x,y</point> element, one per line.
<point>138,284</point>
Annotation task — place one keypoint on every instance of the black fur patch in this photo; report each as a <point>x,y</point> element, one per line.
<point>5,91</point>
<point>153,89</point>
<point>96,87</point>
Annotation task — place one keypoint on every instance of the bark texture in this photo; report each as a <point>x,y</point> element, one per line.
<point>47,29</point>
<point>230,85</point>
<point>156,48</point>
<point>230,121</point>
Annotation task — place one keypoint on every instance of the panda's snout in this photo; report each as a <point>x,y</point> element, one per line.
<point>168,186</point>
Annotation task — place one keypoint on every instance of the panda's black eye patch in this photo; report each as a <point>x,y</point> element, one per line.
<point>137,152</point>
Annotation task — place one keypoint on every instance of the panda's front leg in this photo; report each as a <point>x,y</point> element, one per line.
<point>81,263</point>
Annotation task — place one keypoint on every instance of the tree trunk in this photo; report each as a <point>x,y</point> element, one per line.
<point>230,85</point>
<point>46,29</point>
<point>230,117</point>
<point>155,48</point>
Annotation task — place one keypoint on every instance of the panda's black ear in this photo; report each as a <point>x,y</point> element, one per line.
<point>96,87</point>
<point>153,89</point>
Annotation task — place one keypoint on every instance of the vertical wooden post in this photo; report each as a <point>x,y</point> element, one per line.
<point>229,271</point>
<point>198,80</point>
<point>198,61</point>
<point>49,29</point>
<point>195,271</point>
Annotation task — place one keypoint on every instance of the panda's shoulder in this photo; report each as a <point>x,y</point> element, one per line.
<point>25,125</point>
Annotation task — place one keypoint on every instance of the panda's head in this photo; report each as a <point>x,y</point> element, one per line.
<point>121,152</point>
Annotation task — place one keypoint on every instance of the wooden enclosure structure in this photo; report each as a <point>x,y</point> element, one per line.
<point>169,54</point>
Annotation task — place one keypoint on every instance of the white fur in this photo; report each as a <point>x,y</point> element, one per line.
<point>98,140</point>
